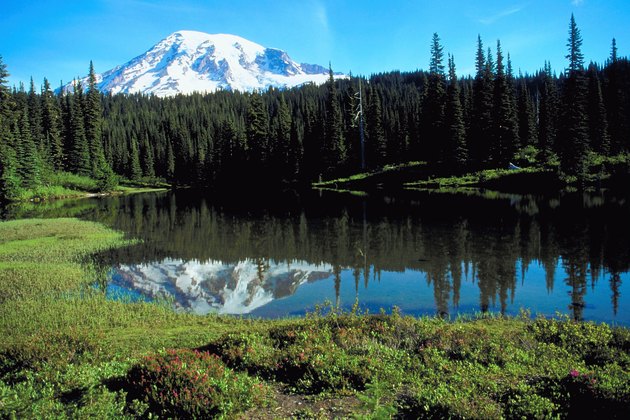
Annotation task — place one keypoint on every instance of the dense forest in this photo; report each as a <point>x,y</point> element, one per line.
<point>576,122</point>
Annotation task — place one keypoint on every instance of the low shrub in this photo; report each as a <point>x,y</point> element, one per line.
<point>189,383</point>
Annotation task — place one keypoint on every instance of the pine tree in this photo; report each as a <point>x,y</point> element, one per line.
<point>282,140</point>
<point>9,179</point>
<point>296,151</point>
<point>526,118</point>
<point>597,122</point>
<point>334,148</point>
<point>258,136</point>
<point>35,120</point>
<point>433,107</point>
<point>375,132</point>
<point>481,114</point>
<point>135,170</point>
<point>457,152</point>
<point>574,44</point>
<point>616,104</point>
<point>79,153</point>
<point>93,129</point>
<point>574,130</point>
<point>170,162</point>
<point>504,126</point>
<point>28,161</point>
<point>547,115</point>
<point>51,126</point>
<point>148,161</point>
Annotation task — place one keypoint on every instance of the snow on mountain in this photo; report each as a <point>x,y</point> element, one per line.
<point>214,286</point>
<point>190,61</point>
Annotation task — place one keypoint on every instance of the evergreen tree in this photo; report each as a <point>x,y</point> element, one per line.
<point>597,122</point>
<point>574,130</point>
<point>135,170</point>
<point>79,153</point>
<point>481,114</point>
<point>574,44</point>
<point>456,152</point>
<point>375,133</point>
<point>334,148</point>
<point>547,115</point>
<point>433,107</point>
<point>616,103</point>
<point>504,125</point>
<point>282,140</point>
<point>296,150</point>
<point>258,135</point>
<point>93,129</point>
<point>35,120</point>
<point>170,162</point>
<point>526,118</point>
<point>148,162</point>
<point>51,126</point>
<point>9,179</point>
<point>28,161</point>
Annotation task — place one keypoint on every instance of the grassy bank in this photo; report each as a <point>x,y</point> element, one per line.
<point>389,175</point>
<point>60,185</point>
<point>525,179</point>
<point>69,352</point>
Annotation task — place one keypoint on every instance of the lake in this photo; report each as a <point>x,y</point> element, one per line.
<point>427,253</point>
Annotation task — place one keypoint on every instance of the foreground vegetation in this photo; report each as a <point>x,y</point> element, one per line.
<point>67,351</point>
<point>58,185</point>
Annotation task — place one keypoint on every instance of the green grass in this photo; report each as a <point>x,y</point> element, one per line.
<point>67,351</point>
<point>475,179</point>
<point>386,170</point>
<point>59,185</point>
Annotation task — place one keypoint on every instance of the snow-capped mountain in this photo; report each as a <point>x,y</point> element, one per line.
<point>190,61</point>
<point>214,286</point>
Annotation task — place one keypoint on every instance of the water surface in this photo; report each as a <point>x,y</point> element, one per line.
<point>426,253</point>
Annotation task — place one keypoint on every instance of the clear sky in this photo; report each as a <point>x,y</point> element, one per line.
<point>57,38</point>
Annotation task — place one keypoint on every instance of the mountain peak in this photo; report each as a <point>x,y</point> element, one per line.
<point>189,61</point>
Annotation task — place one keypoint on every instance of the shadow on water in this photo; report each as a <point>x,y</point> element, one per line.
<point>427,252</point>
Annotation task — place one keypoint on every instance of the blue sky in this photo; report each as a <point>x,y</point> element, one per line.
<point>57,39</point>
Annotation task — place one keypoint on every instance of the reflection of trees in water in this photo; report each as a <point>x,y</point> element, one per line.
<point>445,237</point>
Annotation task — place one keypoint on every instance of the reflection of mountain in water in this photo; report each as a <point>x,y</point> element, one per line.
<point>214,286</point>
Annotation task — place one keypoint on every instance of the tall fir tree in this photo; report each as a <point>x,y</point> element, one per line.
<point>9,178</point>
<point>433,107</point>
<point>617,103</point>
<point>79,154</point>
<point>574,130</point>
<point>334,147</point>
<point>93,112</point>
<point>51,126</point>
<point>597,121</point>
<point>35,121</point>
<point>29,165</point>
<point>481,113</point>
<point>148,160</point>
<point>504,125</point>
<point>282,140</point>
<point>526,117</point>
<point>258,136</point>
<point>547,115</point>
<point>134,171</point>
<point>456,150</point>
<point>375,132</point>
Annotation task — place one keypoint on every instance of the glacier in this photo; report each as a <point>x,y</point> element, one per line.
<point>191,61</point>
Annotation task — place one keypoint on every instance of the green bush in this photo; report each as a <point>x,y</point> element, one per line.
<point>187,383</point>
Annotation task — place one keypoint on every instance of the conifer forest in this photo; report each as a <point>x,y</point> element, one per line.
<point>575,122</point>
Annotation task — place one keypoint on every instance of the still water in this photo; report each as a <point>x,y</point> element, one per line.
<point>427,253</point>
